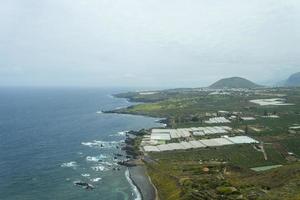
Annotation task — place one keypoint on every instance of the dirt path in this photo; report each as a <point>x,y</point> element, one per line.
<point>263,151</point>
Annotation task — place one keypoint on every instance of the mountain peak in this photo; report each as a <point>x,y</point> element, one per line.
<point>293,80</point>
<point>234,82</point>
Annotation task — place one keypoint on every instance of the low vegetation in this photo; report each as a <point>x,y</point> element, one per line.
<point>225,172</point>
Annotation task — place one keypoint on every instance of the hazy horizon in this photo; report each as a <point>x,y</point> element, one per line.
<point>105,43</point>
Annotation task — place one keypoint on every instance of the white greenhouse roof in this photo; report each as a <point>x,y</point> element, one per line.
<point>223,141</point>
<point>160,136</point>
<point>186,145</point>
<point>163,147</point>
<point>270,102</point>
<point>214,142</point>
<point>196,144</point>
<point>151,148</point>
<point>176,146</point>
<point>210,142</point>
<point>160,130</point>
<point>242,140</point>
<point>174,134</point>
<point>247,118</point>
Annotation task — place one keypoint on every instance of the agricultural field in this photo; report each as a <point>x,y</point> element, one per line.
<point>188,107</point>
<point>225,172</point>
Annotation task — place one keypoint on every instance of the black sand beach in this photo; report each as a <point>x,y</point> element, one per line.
<point>140,178</point>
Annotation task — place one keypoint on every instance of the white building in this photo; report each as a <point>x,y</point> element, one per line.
<point>217,120</point>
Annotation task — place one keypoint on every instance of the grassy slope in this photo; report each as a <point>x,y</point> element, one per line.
<point>180,175</point>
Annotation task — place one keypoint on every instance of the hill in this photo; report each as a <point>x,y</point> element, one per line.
<point>234,82</point>
<point>293,80</point>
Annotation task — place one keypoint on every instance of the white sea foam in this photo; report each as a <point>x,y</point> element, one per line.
<point>95,158</point>
<point>95,179</point>
<point>99,112</point>
<point>116,163</point>
<point>85,175</point>
<point>71,164</point>
<point>98,168</point>
<point>107,163</point>
<point>120,107</point>
<point>92,159</point>
<point>136,193</point>
<point>110,96</point>
<point>122,133</point>
<point>102,144</point>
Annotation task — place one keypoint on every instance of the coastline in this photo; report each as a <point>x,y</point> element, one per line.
<point>136,190</point>
<point>138,172</point>
<point>138,175</point>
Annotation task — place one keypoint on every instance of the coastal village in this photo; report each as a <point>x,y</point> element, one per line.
<point>213,136</point>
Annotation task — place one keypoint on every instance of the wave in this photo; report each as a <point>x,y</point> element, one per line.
<point>102,144</point>
<point>95,158</point>
<point>85,175</point>
<point>120,107</point>
<point>95,179</point>
<point>107,163</point>
<point>99,112</point>
<point>122,133</point>
<point>118,134</point>
<point>98,168</point>
<point>71,164</point>
<point>137,194</point>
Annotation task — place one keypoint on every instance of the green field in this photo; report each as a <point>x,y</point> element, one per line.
<point>240,155</point>
<point>225,172</point>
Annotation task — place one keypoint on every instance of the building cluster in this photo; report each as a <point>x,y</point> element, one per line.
<point>271,116</point>
<point>222,117</point>
<point>294,129</point>
<point>247,118</point>
<point>217,120</point>
<point>271,102</point>
<point>186,138</point>
<point>161,136</point>
<point>201,131</point>
<point>193,144</point>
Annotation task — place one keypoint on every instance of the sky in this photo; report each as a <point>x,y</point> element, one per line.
<point>147,43</point>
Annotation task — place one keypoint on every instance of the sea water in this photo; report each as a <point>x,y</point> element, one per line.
<point>51,138</point>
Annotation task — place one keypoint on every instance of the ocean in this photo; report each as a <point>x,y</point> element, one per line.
<point>51,138</point>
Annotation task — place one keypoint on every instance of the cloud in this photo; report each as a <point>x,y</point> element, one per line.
<point>170,43</point>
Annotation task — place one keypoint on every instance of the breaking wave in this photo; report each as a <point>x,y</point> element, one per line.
<point>99,168</point>
<point>71,164</point>
<point>85,175</point>
<point>95,158</point>
<point>102,144</point>
<point>137,194</point>
<point>122,133</point>
<point>95,179</point>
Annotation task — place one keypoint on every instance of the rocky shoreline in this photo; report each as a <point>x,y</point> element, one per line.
<point>136,167</point>
<point>137,170</point>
